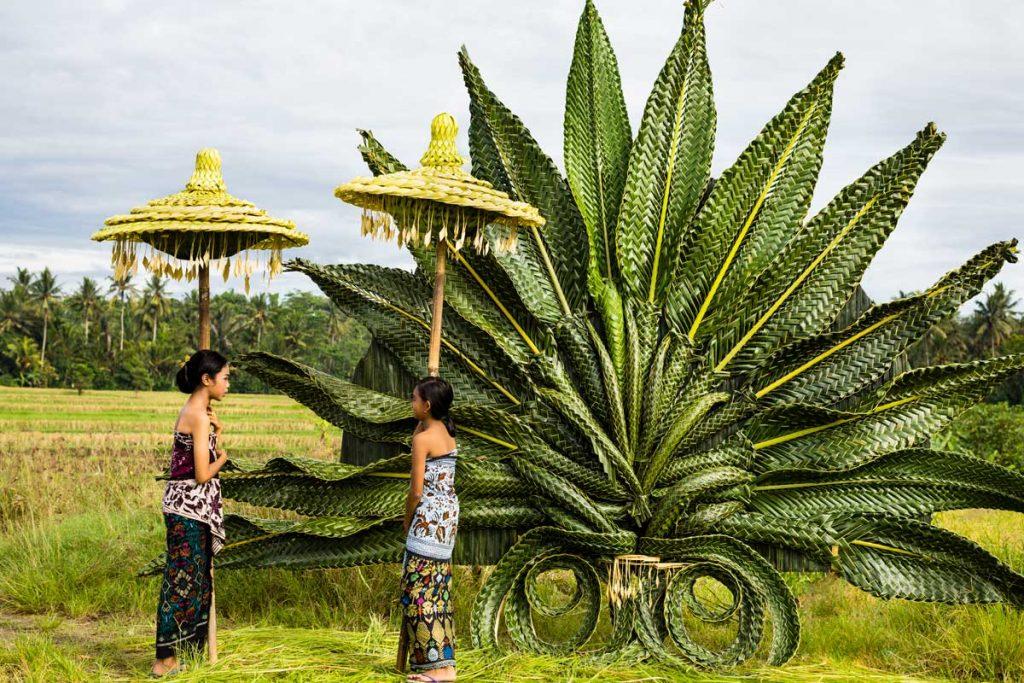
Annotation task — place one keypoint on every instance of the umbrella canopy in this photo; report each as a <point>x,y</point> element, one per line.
<point>185,231</point>
<point>438,201</point>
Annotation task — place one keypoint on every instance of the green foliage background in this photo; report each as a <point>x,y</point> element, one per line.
<point>85,349</point>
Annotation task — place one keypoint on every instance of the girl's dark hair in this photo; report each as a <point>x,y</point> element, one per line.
<point>440,395</point>
<point>202,362</point>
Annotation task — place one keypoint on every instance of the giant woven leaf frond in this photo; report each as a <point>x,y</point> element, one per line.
<point>669,166</point>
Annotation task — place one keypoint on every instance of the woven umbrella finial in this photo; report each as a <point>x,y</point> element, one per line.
<point>442,153</point>
<point>207,176</point>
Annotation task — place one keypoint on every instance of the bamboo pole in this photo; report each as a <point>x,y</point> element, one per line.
<point>434,357</point>
<point>204,306</point>
<point>204,343</point>
<point>433,369</point>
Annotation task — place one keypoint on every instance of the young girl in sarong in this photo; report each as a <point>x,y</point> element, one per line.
<point>192,512</point>
<point>431,521</point>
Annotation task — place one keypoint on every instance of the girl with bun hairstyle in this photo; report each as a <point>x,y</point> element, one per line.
<point>192,512</point>
<point>427,642</point>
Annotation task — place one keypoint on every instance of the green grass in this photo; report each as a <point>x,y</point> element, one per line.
<point>79,514</point>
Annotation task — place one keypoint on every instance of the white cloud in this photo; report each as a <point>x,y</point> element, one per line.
<point>106,103</point>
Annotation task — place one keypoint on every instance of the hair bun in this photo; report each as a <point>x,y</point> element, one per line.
<point>202,362</point>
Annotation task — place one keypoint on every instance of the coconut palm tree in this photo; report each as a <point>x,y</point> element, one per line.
<point>261,308</point>
<point>123,289</point>
<point>225,322</point>
<point>86,302</point>
<point>994,318</point>
<point>337,324</point>
<point>155,301</point>
<point>22,279</point>
<point>12,311</point>
<point>647,389</point>
<point>24,355</point>
<point>44,290</point>
<point>105,323</point>
<point>945,342</point>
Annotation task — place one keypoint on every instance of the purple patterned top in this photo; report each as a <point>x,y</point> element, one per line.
<point>183,463</point>
<point>184,496</point>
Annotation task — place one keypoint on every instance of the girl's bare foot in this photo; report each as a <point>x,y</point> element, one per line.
<point>162,667</point>
<point>446,673</point>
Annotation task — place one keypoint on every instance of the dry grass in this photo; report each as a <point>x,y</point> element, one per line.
<point>79,512</point>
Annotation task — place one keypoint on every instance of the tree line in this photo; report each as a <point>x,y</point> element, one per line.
<point>124,334</point>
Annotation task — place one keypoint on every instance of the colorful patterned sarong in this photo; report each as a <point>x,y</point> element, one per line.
<point>427,615</point>
<point>183,611</point>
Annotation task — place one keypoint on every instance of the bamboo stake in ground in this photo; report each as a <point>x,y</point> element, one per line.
<point>212,630</point>
<point>204,343</point>
<point>433,369</point>
<point>402,659</point>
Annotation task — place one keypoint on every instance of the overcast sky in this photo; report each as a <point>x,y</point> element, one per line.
<point>104,105</point>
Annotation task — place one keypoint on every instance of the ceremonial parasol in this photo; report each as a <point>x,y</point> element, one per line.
<point>183,234</point>
<point>441,203</point>
<point>438,202</point>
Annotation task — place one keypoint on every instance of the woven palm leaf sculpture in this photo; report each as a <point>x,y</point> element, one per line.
<point>684,410</point>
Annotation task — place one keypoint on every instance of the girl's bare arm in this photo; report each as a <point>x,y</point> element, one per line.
<point>205,470</point>
<point>419,463</point>
<point>214,420</point>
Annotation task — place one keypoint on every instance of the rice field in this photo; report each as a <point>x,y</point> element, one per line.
<point>79,514</point>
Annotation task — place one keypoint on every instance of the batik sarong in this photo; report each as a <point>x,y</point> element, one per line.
<point>427,614</point>
<point>183,611</point>
<point>426,601</point>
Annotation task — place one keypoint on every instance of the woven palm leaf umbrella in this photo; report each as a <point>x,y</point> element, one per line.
<point>183,234</point>
<point>438,202</point>
<point>186,234</point>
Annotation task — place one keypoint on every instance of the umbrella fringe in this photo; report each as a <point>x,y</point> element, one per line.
<point>128,254</point>
<point>414,221</point>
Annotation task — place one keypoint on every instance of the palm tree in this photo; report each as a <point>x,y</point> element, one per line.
<point>228,318</point>
<point>24,354</point>
<point>155,301</point>
<point>22,279</point>
<point>994,318</point>
<point>86,301</point>
<point>104,314</point>
<point>122,288</point>
<point>337,324</point>
<point>261,309</point>
<point>12,311</point>
<point>944,343</point>
<point>44,291</point>
<point>653,376</point>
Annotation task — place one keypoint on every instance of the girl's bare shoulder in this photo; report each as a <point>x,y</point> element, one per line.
<point>441,442</point>
<point>191,417</point>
